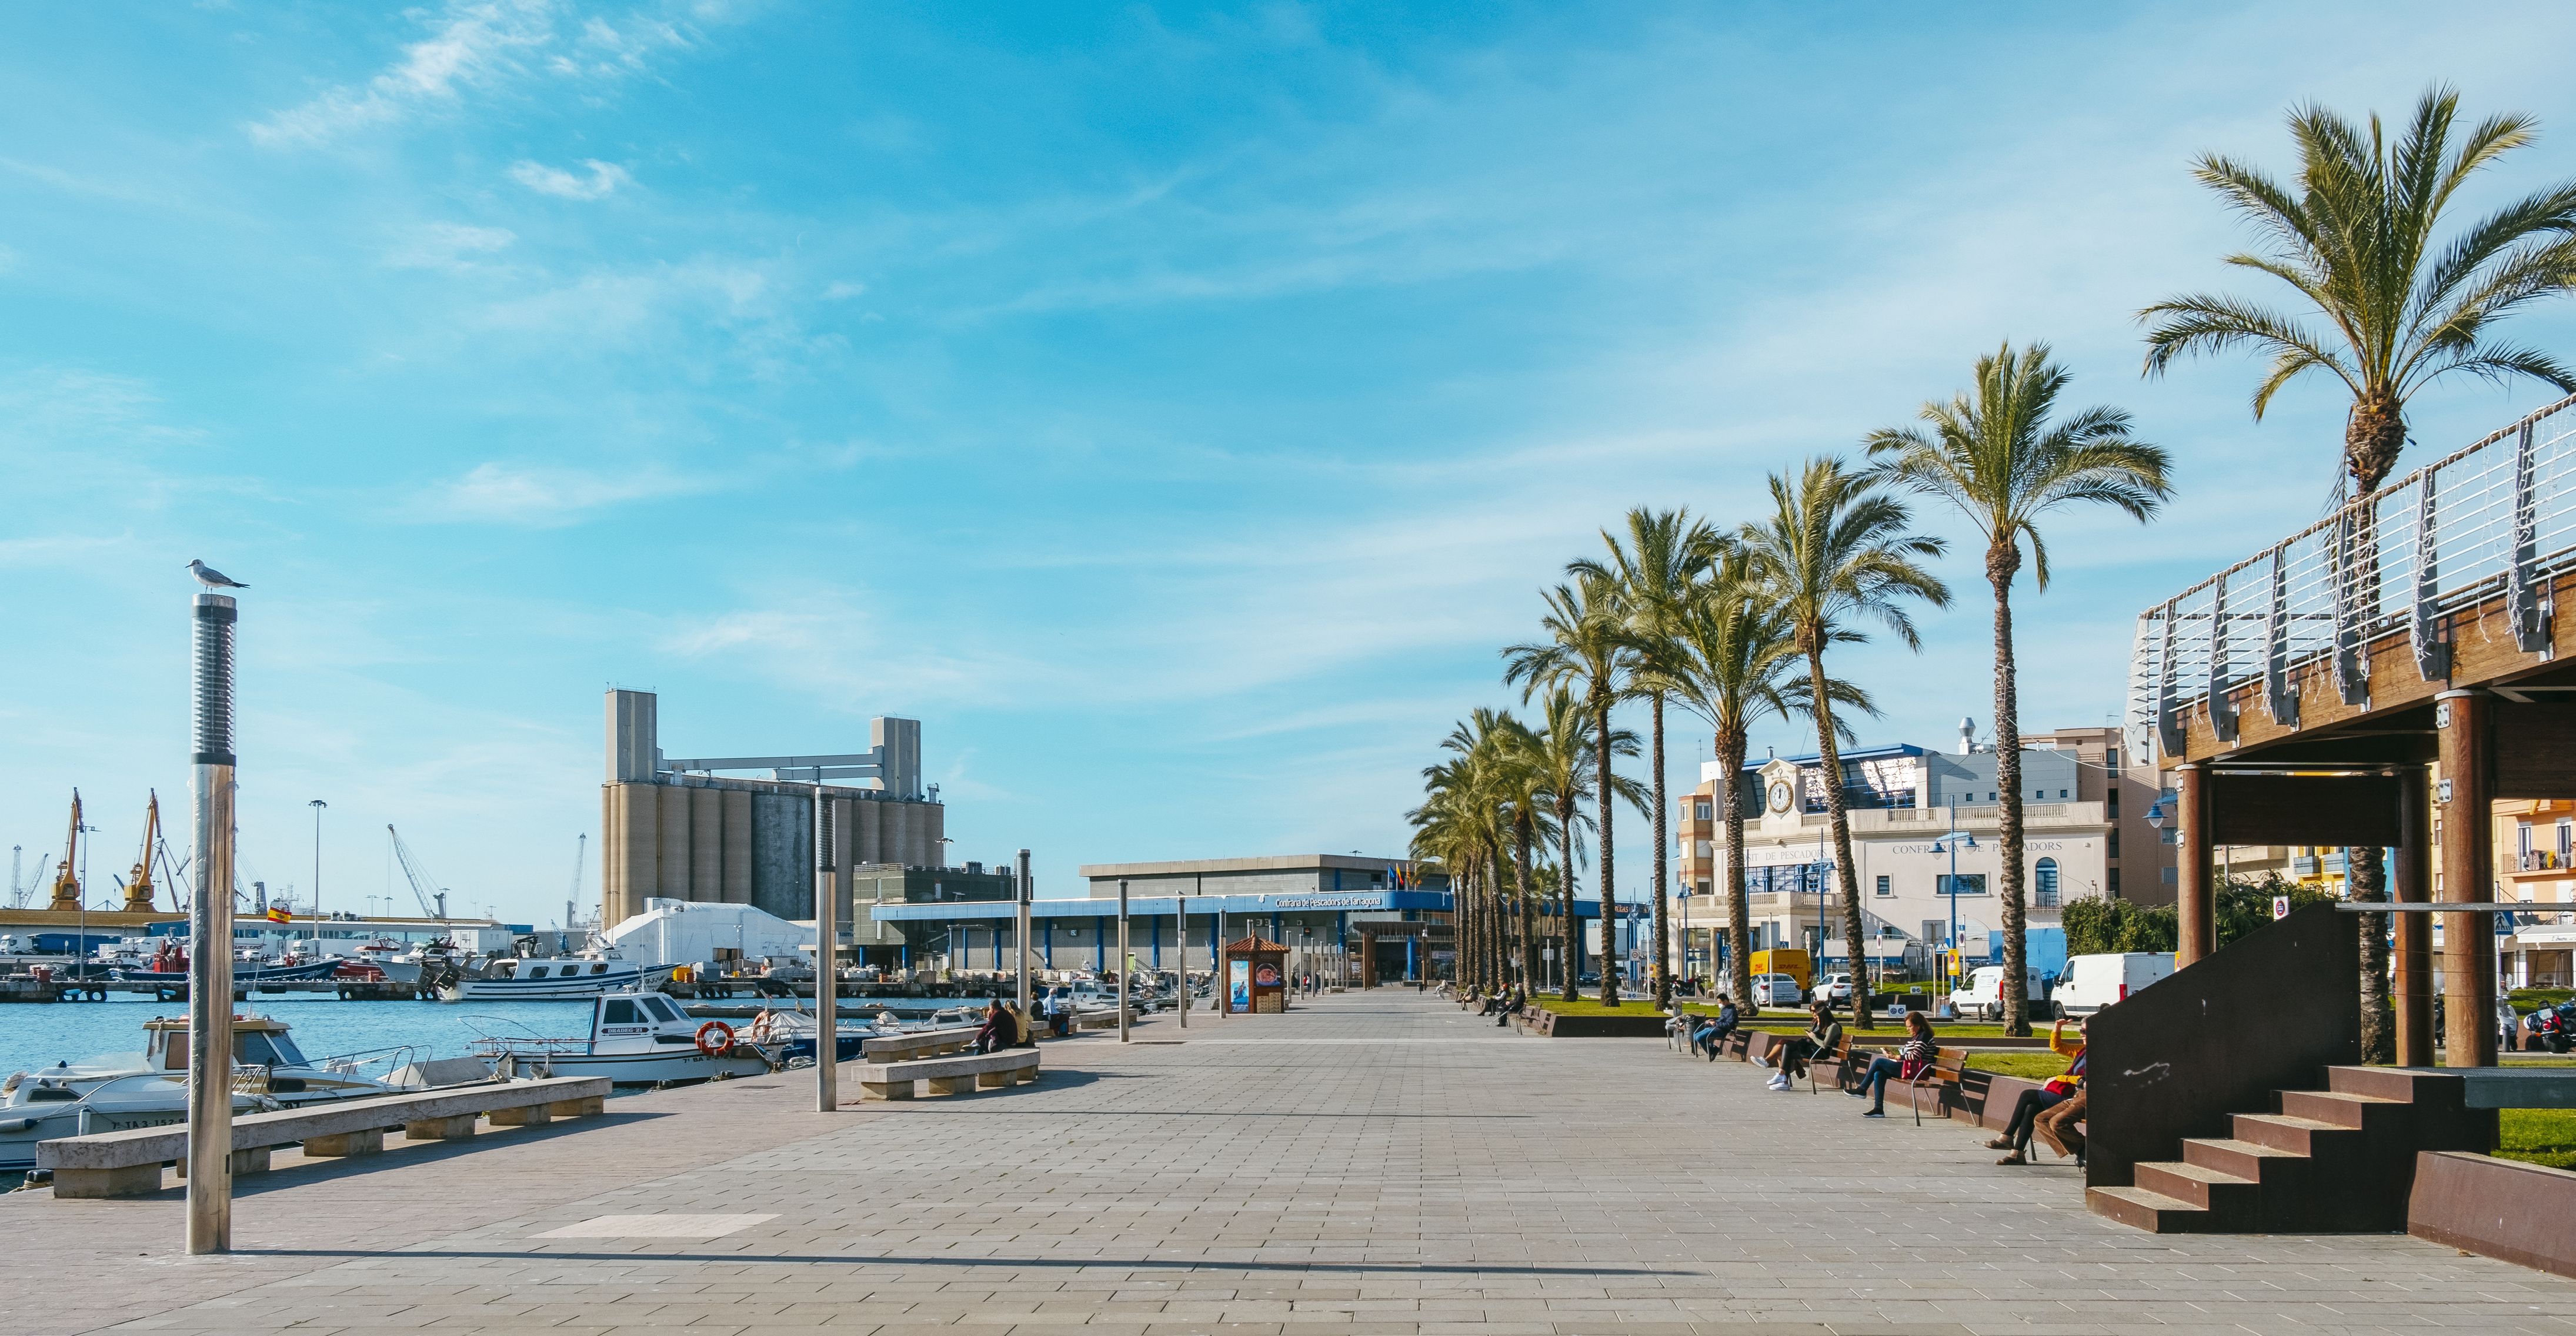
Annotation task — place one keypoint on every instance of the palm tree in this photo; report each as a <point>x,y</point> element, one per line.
<point>1994,454</point>
<point>1834,552</point>
<point>1564,765</point>
<point>1588,648</point>
<point>1738,665</point>
<point>1521,782</point>
<point>1460,823</point>
<point>2356,242</point>
<point>1661,567</point>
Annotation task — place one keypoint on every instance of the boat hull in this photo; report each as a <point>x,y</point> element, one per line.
<point>662,1068</point>
<point>576,988</point>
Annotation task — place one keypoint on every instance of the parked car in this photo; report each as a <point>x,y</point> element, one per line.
<point>1838,988</point>
<point>2095,982</point>
<point>1776,990</point>
<point>1983,995</point>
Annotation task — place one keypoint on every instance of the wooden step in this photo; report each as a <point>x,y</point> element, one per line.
<point>2235,1200</point>
<point>2244,1159</point>
<point>2338,1107</point>
<point>2153,1212</point>
<point>2298,1136</point>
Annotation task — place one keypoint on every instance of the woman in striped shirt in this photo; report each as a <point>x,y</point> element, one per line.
<point>1910,1059</point>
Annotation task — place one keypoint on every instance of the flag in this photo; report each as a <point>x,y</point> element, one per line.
<point>278,914</point>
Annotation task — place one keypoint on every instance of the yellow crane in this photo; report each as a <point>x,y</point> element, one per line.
<point>138,887</point>
<point>67,887</point>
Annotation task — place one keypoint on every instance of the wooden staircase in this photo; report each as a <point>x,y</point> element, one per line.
<point>2338,1160</point>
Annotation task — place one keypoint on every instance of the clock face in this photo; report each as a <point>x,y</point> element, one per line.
<point>1779,796</point>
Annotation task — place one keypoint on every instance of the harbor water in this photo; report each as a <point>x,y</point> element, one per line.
<point>44,1034</point>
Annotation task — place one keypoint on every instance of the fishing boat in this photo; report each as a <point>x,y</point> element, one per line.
<point>115,1091</point>
<point>168,964</point>
<point>547,979</point>
<point>635,1039</point>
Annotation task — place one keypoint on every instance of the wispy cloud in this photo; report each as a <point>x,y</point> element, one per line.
<point>450,246</point>
<point>540,496</point>
<point>834,642</point>
<point>486,44</point>
<point>604,179</point>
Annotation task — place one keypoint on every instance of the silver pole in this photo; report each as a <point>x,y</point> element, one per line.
<point>1123,970</point>
<point>1021,928</point>
<point>210,921</point>
<point>1220,984</point>
<point>827,992</point>
<point>1181,930</point>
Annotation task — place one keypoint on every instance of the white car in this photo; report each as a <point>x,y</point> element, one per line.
<point>1776,990</point>
<point>1838,988</point>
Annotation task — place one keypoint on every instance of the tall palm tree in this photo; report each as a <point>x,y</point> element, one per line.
<point>1588,648</point>
<point>1993,453</point>
<point>1837,551</point>
<point>1661,566</point>
<point>2356,241</point>
<point>1521,782</point>
<point>1739,664</point>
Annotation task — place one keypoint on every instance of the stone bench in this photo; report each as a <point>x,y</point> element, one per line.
<point>918,1044</point>
<point>947,1076</point>
<point>128,1163</point>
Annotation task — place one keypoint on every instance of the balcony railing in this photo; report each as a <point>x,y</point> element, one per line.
<point>2497,518</point>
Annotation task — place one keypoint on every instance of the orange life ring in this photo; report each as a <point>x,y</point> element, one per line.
<point>723,1038</point>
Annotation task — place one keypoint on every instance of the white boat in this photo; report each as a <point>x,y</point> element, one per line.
<point>549,979</point>
<point>635,1039</point>
<point>115,1091</point>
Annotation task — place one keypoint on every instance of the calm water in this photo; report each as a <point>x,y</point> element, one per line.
<point>40,1035</point>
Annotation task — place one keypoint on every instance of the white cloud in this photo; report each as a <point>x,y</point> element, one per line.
<point>829,641</point>
<point>450,246</point>
<point>838,292</point>
<point>544,497</point>
<point>604,179</point>
<point>483,44</point>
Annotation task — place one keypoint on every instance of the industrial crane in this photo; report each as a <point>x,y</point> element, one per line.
<point>138,887</point>
<point>423,888</point>
<point>67,887</point>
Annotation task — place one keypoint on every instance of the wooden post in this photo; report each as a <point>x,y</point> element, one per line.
<point>2411,962</point>
<point>2463,719</point>
<point>2195,877</point>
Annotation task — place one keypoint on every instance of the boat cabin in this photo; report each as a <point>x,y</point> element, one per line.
<point>258,1041</point>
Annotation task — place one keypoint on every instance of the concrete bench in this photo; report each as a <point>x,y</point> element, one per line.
<point>947,1076</point>
<point>128,1163</point>
<point>918,1044</point>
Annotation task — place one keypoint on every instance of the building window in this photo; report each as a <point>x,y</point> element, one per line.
<point>1967,883</point>
<point>1883,888</point>
<point>1700,809</point>
<point>2111,801</point>
<point>2114,883</point>
<point>2113,841</point>
<point>2061,793</point>
<point>2047,883</point>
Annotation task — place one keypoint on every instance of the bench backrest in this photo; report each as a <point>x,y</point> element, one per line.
<point>148,1145</point>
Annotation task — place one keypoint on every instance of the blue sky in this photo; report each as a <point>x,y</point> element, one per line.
<point>1173,407</point>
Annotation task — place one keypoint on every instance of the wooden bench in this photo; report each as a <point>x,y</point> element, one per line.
<point>947,1076</point>
<point>918,1044</point>
<point>1941,1077</point>
<point>1840,1057</point>
<point>128,1163</point>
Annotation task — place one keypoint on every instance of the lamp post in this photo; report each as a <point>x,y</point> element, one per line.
<point>1181,938</point>
<point>317,805</point>
<point>1124,973</point>
<point>827,940</point>
<point>210,919</point>
<point>1949,843</point>
<point>1020,935</point>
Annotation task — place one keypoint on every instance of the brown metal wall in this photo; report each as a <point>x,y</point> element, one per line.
<point>671,824</point>
<point>735,883</point>
<point>706,845</point>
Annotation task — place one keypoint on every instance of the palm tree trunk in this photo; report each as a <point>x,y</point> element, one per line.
<point>1830,757</point>
<point>1663,920</point>
<point>1565,899</point>
<point>2373,436</point>
<point>1498,962</point>
<point>1609,893</point>
<point>2002,562</point>
<point>1739,960</point>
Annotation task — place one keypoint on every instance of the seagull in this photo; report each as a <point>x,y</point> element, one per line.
<point>214,579</point>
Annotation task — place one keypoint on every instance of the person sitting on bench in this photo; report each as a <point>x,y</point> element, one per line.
<point>1715,1030</point>
<point>1514,1000</point>
<point>1907,1063</point>
<point>2015,1141</point>
<point>1823,1032</point>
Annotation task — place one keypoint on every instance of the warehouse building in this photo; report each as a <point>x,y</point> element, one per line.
<point>686,829</point>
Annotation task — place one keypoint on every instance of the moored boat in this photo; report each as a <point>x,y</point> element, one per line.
<point>635,1039</point>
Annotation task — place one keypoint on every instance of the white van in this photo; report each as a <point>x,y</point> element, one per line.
<point>1983,996</point>
<point>2095,982</point>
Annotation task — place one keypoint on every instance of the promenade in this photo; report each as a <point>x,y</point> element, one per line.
<point>1373,1163</point>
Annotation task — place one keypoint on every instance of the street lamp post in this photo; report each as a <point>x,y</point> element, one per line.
<point>1949,843</point>
<point>1124,960</point>
<point>317,805</point>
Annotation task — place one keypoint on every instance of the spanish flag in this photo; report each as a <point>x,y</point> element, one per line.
<point>277,914</point>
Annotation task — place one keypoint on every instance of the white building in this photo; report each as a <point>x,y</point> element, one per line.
<point>690,932</point>
<point>1924,843</point>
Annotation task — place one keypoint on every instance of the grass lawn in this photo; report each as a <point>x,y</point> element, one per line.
<point>2038,1066</point>
<point>2541,1136</point>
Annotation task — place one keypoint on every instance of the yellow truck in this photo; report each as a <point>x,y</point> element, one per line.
<point>1784,960</point>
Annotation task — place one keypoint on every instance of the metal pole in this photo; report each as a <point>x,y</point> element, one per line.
<point>1220,981</point>
<point>1123,970</point>
<point>1021,929</point>
<point>1181,929</point>
<point>827,938</point>
<point>210,920</point>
